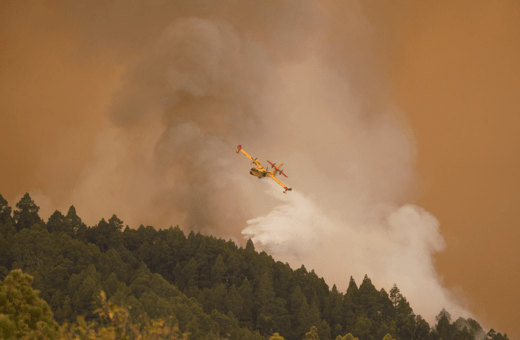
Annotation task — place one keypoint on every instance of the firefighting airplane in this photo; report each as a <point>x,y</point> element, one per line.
<point>259,171</point>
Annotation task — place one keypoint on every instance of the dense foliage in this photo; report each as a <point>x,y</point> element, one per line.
<point>207,286</point>
<point>22,312</point>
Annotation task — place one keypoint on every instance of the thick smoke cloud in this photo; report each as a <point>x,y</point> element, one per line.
<point>200,79</point>
<point>182,105</point>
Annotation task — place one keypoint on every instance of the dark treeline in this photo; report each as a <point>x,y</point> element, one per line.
<point>207,286</point>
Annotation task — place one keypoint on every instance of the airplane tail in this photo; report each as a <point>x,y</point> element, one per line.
<point>277,169</point>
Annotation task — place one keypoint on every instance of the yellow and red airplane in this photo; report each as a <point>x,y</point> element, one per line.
<point>259,171</point>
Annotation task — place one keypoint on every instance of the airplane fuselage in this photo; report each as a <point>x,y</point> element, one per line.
<point>257,172</point>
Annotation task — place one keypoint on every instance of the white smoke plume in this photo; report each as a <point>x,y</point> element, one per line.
<point>396,248</point>
<point>204,79</point>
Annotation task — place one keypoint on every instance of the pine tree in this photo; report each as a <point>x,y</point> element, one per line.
<point>475,329</point>
<point>88,290</point>
<point>312,334</point>
<point>395,296</point>
<point>5,214</point>
<point>34,250</point>
<point>236,268</point>
<point>368,298</point>
<point>67,313</point>
<point>234,302</point>
<point>308,317</point>
<point>111,263</point>
<point>22,313</point>
<point>405,326</point>
<point>264,292</point>
<point>296,300</point>
<point>387,308</point>
<point>388,337</point>
<point>422,329</point>
<point>111,285</point>
<point>217,298</point>
<point>55,222</point>
<point>350,305</point>
<point>74,223</point>
<point>324,330</point>
<point>218,271</point>
<point>399,302</point>
<point>27,213</point>
<point>5,252</point>
<point>190,274</point>
<point>336,305</point>
<point>250,247</point>
<point>443,327</point>
<point>363,327</point>
<point>248,311</point>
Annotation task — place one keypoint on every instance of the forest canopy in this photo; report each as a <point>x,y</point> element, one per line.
<point>203,285</point>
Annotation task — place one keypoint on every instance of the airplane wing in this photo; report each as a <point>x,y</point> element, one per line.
<point>257,163</point>
<point>277,181</point>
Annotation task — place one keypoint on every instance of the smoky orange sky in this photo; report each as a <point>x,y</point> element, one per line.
<point>451,71</point>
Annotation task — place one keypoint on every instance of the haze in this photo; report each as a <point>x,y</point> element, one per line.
<point>397,123</point>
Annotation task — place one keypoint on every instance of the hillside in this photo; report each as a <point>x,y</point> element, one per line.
<point>207,286</point>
